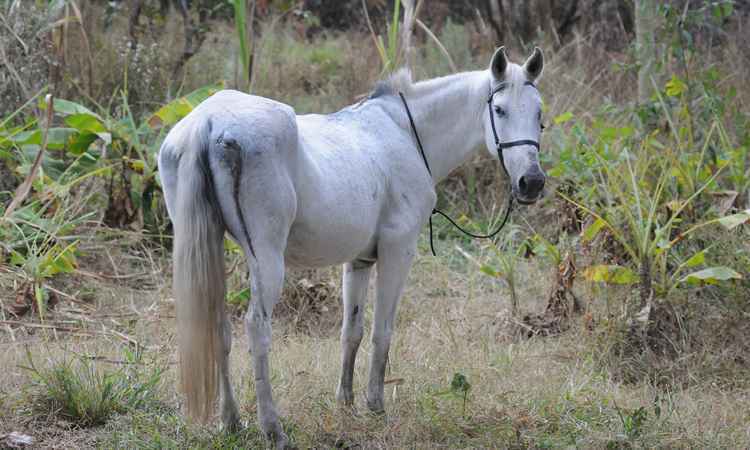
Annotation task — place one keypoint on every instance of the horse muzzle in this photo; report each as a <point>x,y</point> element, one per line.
<point>530,187</point>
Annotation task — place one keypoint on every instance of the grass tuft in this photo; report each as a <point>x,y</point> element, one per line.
<point>86,395</point>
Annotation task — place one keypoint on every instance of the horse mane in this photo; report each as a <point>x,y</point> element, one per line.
<point>401,81</point>
<point>398,81</point>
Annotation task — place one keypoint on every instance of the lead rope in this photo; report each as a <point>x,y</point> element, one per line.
<point>437,211</point>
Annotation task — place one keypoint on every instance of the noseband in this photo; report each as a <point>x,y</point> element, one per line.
<point>500,146</point>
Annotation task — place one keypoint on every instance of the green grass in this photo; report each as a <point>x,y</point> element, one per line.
<point>80,392</point>
<point>168,429</point>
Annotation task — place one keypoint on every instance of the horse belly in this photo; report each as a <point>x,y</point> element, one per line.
<point>332,238</point>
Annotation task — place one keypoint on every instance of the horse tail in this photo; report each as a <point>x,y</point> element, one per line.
<point>199,285</point>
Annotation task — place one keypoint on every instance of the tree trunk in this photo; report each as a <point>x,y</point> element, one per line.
<point>645,27</point>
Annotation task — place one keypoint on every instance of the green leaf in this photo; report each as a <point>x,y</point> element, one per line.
<point>16,258</point>
<point>66,108</point>
<point>675,86</point>
<point>592,230</point>
<point>735,220</point>
<point>556,171</point>
<point>712,275</point>
<point>610,274</point>
<point>56,137</point>
<point>39,298</point>
<point>175,110</point>
<point>697,259</point>
<point>562,118</point>
<point>239,298</point>
<point>79,143</point>
<point>232,246</point>
<point>240,24</point>
<point>459,383</point>
<point>137,165</point>
<point>58,260</point>
<point>487,270</point>
<point>85,122</point>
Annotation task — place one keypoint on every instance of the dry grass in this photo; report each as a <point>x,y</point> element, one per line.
<point>536,393</point>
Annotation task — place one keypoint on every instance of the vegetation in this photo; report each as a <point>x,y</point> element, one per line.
<point>637,260</point>
<point>85,395</point>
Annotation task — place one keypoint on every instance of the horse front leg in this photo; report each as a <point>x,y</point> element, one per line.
<point>394,260</point>
<point>266,280</point>
<point>355,280</point>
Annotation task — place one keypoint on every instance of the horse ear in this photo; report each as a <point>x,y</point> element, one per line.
<point>499,63</point>
<point>534,65</point>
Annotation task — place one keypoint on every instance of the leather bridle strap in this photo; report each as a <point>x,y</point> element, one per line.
<point>429,171</point>
<point>500,146</point>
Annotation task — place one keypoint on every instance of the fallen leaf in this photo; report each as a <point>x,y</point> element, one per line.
<point>23,302</point>
<point>724,200</point>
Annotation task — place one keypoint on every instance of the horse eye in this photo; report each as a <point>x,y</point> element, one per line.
<point>499,111</point>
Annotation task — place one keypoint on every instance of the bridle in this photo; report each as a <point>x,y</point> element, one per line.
<point>499,146</point>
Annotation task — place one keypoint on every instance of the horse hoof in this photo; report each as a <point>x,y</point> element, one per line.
<point>345,398</point>
<point>280,440</point>
<point>232,425</point>
<point>376,406</point>
<point>275,436</point>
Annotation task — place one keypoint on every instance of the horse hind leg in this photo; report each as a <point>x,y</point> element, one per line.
<point>258,199</point>
<point>230,415</point>
<point>267,277</point>
<point>355,280</point>
<point>266,263</point>
<point>268,203</point>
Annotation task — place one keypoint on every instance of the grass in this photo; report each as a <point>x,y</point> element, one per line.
<point>83,394</point>
<point>538,393</point>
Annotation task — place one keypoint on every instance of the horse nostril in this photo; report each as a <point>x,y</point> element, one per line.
<point>522,185</point>
<point>531,185</point>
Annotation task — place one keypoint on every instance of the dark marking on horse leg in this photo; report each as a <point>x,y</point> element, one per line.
<point>355,311</point>
<point>363,263</point>
<point>231,143</point>
<point>236,174</point>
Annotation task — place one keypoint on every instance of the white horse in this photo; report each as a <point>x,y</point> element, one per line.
<point>314,190</point>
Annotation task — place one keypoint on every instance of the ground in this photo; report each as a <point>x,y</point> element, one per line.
<point>524,393</point>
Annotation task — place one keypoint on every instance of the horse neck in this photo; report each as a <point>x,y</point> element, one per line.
<point>448,114</point>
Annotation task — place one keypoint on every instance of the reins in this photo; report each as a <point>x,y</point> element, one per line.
<point>500,146</point>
